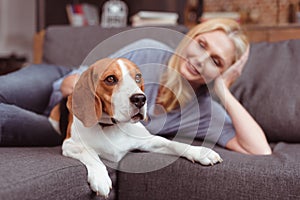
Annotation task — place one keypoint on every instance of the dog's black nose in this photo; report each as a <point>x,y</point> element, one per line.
<point>138,100</point>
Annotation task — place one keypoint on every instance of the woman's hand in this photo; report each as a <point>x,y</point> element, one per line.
<point>67,86</point>
<point>227,78</point>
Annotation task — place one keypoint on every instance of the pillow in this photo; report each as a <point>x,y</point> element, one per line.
<point>269,88</point>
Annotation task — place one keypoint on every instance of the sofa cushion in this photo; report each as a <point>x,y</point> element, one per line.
<point>239,176</point>
<point>269,88</point>
<point>69,46</point>
<point>43,173</point>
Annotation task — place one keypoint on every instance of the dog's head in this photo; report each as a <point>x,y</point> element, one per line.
<point>111,89</point>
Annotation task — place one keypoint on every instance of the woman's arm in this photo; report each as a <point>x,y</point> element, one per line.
<point>250,138</point>
<point>66,84</point>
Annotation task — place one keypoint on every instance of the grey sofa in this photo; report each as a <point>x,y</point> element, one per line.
<point>268,88</point>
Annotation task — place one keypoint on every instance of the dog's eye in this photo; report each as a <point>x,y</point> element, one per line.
<point>138,78</point>
<point>111,80</point>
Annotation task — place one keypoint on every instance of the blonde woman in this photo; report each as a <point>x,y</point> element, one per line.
<point>224,44</point>
<point>176,86</point>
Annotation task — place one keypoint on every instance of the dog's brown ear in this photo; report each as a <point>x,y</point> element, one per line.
<point>84,103</point>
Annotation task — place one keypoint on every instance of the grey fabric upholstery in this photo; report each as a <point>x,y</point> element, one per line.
<point>269,89</point>
<point>239,176</point>
<point>43,173</point>
<point>61,40</point>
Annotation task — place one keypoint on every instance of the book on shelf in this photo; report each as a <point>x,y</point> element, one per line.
<point>229,15</point>
<point>82,14</point>
<point>146,18</point>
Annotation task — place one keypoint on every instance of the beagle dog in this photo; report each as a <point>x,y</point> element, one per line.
<point>105,108</point>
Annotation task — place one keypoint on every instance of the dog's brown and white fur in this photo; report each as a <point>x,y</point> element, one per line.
<point>111,92</point>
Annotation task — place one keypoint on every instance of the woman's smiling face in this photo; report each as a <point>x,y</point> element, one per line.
<point>206,57</point>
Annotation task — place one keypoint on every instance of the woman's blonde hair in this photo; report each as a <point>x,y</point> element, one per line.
<point>174,90</point>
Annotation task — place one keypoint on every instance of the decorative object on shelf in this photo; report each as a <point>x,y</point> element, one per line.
<point>292,13</point>
<point>191,13</point>
<point>244,14</point>
<point>298,13</point>
<point>147,18</point>
<point>255,16</point>
<point>82,14</point>
<point>114,14</point>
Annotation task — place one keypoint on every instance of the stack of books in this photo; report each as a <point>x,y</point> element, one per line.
<point>82,14</point>
<point>229,15</point>
<point>148,18</point>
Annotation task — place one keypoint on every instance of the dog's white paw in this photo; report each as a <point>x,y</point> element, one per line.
<point>203,155</point>
<point>99,181</point>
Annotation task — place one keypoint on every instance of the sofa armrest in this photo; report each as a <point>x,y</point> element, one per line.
<point>38,43</point>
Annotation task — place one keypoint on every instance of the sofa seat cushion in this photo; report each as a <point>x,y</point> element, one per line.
<point>269,88</point>
<point>240,176</point>
<point>43,173</point>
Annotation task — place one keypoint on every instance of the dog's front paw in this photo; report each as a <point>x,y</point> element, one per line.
<point>99,181</point>
<point>203,155</point>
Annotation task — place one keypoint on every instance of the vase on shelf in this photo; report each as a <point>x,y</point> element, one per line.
<point>114,14</point>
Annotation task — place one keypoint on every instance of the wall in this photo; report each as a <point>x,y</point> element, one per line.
<point>17,19</point>
<point>17,27</point>
<point>269,11</point>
